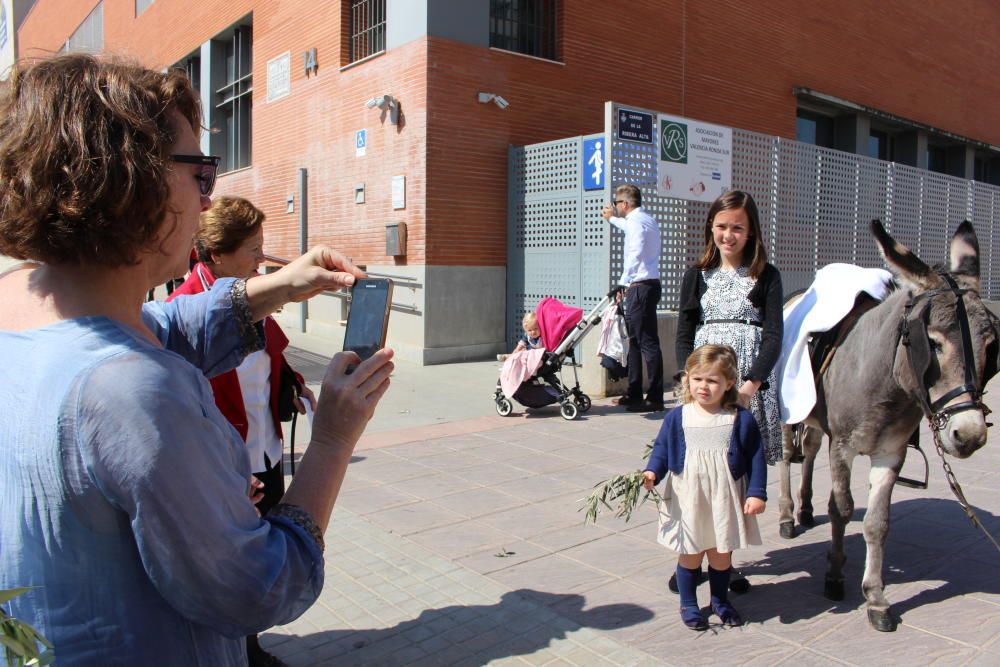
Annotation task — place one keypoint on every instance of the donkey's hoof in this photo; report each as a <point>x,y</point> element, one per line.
<point>833,589</point>
<point>786,529</point>
<point>882,620</point>
<point>806,519</point>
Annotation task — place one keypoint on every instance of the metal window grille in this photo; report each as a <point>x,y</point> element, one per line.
<point>235,100</point>
<point>524,26</point>
<point>367,28</point>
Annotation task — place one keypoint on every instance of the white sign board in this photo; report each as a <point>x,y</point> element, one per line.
<point>6,38</point>
<point>279,77</point>
<point>398,192</point>
<point>360,142</point>
<point>695,159</point>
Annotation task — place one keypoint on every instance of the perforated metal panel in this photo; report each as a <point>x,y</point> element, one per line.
<point>815,205</point>
<point>554,231</point>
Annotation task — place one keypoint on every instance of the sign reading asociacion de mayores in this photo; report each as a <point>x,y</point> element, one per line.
<point>695,159</point>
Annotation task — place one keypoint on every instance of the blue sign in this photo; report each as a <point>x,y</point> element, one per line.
<point>595,152</point>
<point>360,142</point>
<point>635,126</point>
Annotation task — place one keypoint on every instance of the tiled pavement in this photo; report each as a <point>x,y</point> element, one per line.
<point>468,549</point>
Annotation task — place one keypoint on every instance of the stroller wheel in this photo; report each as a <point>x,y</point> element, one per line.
<point>569,411</point>
<point>583,401</point>
<point>504,406</point>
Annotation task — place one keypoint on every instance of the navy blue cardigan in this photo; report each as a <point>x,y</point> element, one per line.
<point>746,456</point>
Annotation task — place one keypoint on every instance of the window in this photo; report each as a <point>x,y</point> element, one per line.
<point>881,145</point>
<point>367,28</point>
<point>141,6</point>
<point>233,100</point>
<point>89,37</point>
<point>524,26</point>
<point>814,128</point>
<point>937,159</point>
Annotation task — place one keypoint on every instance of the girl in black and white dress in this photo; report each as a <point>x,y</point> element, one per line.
<point>733,296</point>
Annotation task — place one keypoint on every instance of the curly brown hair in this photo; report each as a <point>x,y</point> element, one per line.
<point>85,144</point>
<point>225,226</point>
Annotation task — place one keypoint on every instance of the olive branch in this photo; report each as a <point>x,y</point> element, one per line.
<point>625,490</point>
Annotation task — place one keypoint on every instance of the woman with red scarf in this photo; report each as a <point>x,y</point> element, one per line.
<point>229,244</point>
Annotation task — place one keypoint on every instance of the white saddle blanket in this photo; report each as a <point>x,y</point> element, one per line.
<point>827,301</point>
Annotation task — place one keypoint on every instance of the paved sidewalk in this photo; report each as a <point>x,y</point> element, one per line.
<point>461,544</point>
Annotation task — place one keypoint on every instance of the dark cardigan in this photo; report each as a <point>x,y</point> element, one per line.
<point>745,455</point>
<point>766,295</point>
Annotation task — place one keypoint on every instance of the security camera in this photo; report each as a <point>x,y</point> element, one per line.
<point>500,102</point>
<point>381,101</point>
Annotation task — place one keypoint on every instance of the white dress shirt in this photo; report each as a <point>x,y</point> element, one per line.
<point>642,246</point>
<point>255,384</point>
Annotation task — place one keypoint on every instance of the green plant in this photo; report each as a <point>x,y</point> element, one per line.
<point>20,641</point>
<point>626,490</point>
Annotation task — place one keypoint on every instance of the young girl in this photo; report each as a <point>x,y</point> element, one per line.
<point>530,340</point>
<point>709,450</point>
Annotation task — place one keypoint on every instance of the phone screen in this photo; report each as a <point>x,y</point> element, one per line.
<point>368,318</point>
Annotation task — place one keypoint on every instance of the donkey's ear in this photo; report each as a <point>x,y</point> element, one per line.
<point>908,267</point>
<point>964,251</point>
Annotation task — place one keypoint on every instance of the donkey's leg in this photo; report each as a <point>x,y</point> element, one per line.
<point>786,506</point>
<point>840,510</point>
<point>812,438</point>
<point>885,470</point>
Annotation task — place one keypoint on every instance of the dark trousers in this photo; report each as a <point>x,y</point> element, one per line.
<point>274,486</point>
<point>643,340</point>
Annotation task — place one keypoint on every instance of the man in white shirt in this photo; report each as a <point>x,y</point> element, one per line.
<point>641,277</point>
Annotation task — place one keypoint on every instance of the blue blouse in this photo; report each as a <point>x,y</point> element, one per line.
<point>124,493</point>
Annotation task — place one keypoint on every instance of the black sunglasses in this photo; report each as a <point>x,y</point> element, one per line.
<point>209,169</point>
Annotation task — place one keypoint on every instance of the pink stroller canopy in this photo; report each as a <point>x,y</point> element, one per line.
<point>556,320</point>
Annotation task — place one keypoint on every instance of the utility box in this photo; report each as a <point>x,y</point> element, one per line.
<point>395,239</point>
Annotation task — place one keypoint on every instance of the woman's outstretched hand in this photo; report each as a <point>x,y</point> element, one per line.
<point>321,268</point>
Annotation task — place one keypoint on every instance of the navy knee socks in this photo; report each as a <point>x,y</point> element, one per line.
<point>718,583</point>
<point>687,582</point>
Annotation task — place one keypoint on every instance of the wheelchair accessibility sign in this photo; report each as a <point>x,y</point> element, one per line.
<point>360,142</point>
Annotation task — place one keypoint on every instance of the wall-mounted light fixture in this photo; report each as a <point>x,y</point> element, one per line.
<point>493,97</point>
<point>290,204</point>
<point>385,103</point>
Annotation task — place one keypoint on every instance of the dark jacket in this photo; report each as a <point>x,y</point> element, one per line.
<point>766,295</point>
<point>745,455</point>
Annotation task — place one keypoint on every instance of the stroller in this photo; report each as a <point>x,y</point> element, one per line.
<point>562,328</point>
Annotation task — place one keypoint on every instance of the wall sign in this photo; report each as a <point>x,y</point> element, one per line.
<point>360,142</point>
<point>309,62</point>
<point>279,77</point>
<point>635,126</point>
<point>695,159</point>
<point>594,155</point>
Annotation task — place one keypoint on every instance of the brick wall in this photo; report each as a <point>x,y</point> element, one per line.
<point>729,62</point>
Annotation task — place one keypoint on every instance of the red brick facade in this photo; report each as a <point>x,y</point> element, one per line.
<point>729,62</point>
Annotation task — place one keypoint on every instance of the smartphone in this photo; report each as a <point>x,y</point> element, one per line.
<point>368,319</point>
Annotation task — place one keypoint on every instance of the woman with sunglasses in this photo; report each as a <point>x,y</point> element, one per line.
<point>124,488</point>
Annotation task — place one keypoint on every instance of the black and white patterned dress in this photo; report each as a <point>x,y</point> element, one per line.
<point>726,299</point>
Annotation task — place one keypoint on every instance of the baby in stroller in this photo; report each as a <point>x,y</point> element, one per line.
<point>530,340</point>
<point>531,374</point>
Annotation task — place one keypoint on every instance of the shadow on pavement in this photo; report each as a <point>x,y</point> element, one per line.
<point>516,625</point>
<point>930,543</point>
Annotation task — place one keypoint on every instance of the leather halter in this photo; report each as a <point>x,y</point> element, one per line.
<point>913,334</point>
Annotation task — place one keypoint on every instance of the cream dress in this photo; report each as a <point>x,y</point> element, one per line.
<point>704,504</point>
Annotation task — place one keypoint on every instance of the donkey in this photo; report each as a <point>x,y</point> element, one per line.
<point>928,349</point>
